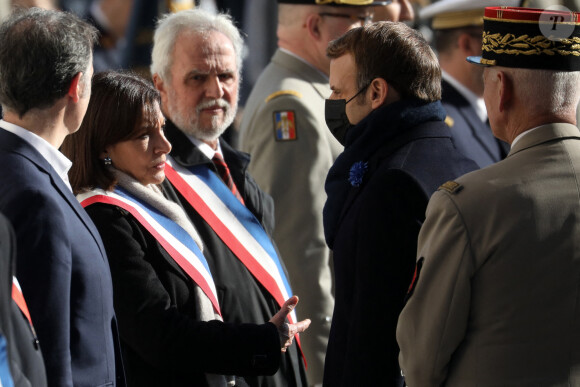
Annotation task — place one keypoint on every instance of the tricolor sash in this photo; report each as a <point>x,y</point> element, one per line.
<point>18,298</point>
<point>174,239</point>
<point>236,226</point>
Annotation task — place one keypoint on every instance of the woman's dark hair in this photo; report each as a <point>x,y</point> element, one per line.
<point>120,103</point>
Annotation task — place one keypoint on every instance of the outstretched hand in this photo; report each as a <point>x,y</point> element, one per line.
<point>285,330</point>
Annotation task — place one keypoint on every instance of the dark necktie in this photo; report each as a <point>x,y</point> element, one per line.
<point>226,176</point>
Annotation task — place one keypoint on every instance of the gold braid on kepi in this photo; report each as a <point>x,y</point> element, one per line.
<point>530,38</point>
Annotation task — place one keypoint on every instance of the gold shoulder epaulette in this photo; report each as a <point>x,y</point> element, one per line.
<point>449,121</point>
<point>451,187</point>
<point>282,92</point>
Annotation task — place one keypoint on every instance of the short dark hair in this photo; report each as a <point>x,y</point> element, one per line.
<point>120,103</point>
<point>40,53</point>
<point>395,52</point>
<point>445,40</point>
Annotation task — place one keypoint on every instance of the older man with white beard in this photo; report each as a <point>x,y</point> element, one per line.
<point>196,64</point>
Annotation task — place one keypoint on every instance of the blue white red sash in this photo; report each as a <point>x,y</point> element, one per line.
<point>18,298</point>
<point>174,239</point>
<point>237,227</point>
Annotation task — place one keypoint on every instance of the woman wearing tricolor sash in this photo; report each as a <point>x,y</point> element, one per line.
<point>167,307</point>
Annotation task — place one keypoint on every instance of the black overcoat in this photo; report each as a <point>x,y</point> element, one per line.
<point>242,298</point>
<point>375,242</point>
<point>162,340</point>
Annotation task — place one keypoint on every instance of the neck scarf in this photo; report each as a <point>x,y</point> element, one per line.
<point>363,141</point>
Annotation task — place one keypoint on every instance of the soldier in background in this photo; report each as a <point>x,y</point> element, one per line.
<point>458,26</point>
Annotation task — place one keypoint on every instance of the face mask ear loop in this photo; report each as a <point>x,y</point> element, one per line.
<point>358,92</point>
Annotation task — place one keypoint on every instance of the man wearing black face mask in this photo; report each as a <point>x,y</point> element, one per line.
<point>336,118</point>
<point>385,110</point>
<point>283,129</point>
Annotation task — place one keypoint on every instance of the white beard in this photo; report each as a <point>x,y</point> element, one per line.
<point>189,123</point>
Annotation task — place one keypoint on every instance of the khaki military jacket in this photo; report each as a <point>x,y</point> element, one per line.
<point>497,301</point>
<point>284,130</point>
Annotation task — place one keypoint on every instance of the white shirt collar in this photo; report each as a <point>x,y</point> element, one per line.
<point>476,102</point>
<point>57,160</point>
<point>205,148</point>
<point>522,134</point>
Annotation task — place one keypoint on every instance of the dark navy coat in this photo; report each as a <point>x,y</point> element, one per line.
<point>242,298</point>
<point>375,244</point>
<point>62,269</point>
<point>163,341</point>
<point>471,136</point>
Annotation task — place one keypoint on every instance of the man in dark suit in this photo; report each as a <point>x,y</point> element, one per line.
<point>196,67</point>
<point>458,26</point>
<point>385,109</point>
<point>45,73</point>
<point>21,353</point>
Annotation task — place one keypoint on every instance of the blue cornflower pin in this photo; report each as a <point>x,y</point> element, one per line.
<point>357,171</point>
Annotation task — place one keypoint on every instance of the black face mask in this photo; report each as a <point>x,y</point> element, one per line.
<point>335,116</point>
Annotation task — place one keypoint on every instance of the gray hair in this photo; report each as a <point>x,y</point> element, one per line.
<point>556,92</point>
<point>196,20</point>
<point>40,54</point>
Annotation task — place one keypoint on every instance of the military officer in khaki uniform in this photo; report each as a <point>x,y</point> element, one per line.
<point>284,130</point>
<point>497,300</point>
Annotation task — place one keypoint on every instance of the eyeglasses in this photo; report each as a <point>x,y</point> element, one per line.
<point>366,19</point>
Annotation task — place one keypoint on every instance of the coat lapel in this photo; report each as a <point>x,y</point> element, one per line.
<point>68,196</point>
<point>183,150</point>
<point>15,144</point>
<point>374,163</point>
<point>480,131</point>
<point>188,155</point>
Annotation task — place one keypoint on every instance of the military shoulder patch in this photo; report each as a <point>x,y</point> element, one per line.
<point>282,92</point>
<point>449,121</point>
<point>451,187</point>
<point>285,125</point>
